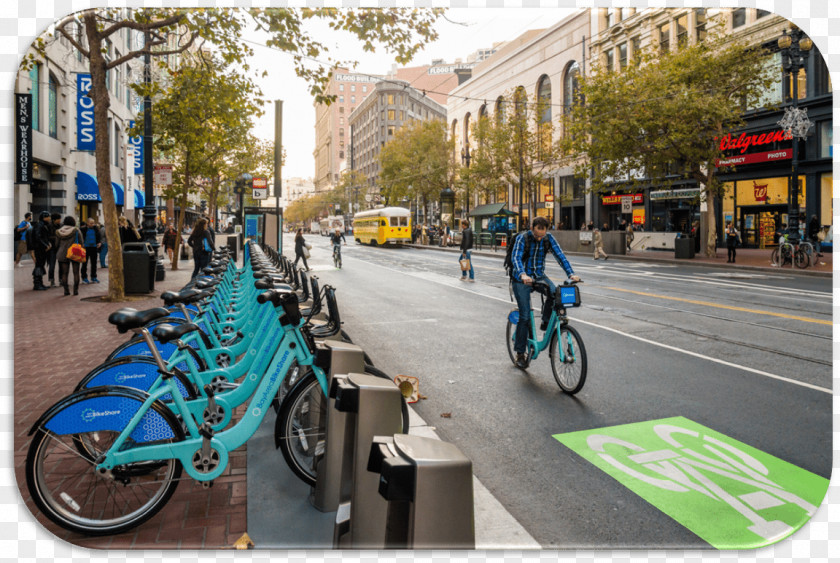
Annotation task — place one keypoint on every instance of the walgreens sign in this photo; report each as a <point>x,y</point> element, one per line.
<point>746,141</point>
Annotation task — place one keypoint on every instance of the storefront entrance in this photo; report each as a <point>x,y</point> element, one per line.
<point>759,224</point>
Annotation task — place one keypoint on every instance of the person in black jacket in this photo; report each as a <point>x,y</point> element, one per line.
<point>466,246</point>
<point>40,244</point>
<point>92,241</point>
<point>203,246</point>
<point>300,249</point>
<point>55,223</point>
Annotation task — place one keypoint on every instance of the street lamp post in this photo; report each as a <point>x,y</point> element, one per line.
<point>149,210</point>
<point>795,48</point>
<point>243,182</point>
<point>447,205</point>
<point>465,160</point>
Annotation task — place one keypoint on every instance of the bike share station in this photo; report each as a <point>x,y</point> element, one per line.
<point>376,488</point>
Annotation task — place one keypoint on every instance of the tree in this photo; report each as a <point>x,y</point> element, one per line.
<point>200,118</point>
<point>350,184</point>
<point>402,32</point>
<point>661,120</point>
<point>417,162</point>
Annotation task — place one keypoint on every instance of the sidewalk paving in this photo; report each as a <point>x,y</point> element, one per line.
<point>57,340</point>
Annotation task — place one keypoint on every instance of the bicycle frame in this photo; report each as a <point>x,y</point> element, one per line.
<point>293,347</point>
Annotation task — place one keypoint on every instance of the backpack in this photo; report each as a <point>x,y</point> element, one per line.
<point>526,252</point>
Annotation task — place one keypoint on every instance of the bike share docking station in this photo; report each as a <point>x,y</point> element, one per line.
<point>390,490</point>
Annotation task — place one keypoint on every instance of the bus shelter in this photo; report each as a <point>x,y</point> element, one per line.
<point>493,224</point>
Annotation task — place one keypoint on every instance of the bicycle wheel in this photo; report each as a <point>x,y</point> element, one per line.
<point>801,258</point>
<point>570,372</point>
<point>300,432</point>
<point>61,479</point>
<point>774,257</point>
<point>510,334</point>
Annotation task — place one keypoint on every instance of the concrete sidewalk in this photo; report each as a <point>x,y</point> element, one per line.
<point>57,340</point>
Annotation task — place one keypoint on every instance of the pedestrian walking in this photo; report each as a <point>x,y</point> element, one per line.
<point>55,223</point>
<point>40,245</point>
<point>733,239</point>
<point>92,242</point>
<point>202,245</point>
<point>67,235</point>
<point>598,243</point>
<point>127,232</point>
<point>170,237</point>
<point>23,228</point>
<point>300,249</point>
<point>628,228</point>
<point>103,250</point>
<point>466,246</point>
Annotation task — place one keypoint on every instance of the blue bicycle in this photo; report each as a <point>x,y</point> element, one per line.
<point>565,346</point>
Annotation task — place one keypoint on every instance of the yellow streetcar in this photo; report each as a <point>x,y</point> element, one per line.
<point>388,225</point>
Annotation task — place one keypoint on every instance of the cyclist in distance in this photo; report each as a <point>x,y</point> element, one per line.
<point>335,238</point>
<point>528,265</point>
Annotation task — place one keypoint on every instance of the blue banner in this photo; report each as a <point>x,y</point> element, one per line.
<point>85,132</point>
<point>137,150</point>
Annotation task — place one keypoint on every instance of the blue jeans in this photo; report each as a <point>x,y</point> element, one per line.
<point>103,252</point>
<point>468,256</point>
<point>522,294</point>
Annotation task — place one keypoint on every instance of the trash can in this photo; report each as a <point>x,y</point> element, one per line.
<point>233,245</point>
<point>684,247</point>
<point>139,265</point>
<point>429,488</point>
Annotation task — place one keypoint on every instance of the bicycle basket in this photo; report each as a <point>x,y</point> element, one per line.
<point>567,296</point>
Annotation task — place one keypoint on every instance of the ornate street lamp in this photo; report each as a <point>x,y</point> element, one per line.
<point>243,182</point>
<point>447,206</point>
<point>465,160</point>
<point>795,47</point>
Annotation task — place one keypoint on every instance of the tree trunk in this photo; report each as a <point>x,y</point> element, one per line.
<point>708,222</point>
<point>102,103</point>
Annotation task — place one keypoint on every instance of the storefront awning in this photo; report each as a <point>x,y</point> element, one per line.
<point>490,209</point>
<point>119,193</point>
<point>139,199</point>
<point>87,189</point>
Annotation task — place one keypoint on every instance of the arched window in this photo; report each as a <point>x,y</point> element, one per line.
<point>571,86</point>
<point>466,140</point>
<point>454,131</point>
<point>500,109</point>
<point>544,98</point>
<point>482,111</point>
<point>53,107</point>
<point>520,101</point>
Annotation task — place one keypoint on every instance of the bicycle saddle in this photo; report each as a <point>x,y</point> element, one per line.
<point>184,296</point>
<point>207,284</point>
<point>126,319</point>
<point>167,333</point>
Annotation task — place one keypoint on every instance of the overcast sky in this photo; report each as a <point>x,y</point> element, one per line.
<point>473,28</point>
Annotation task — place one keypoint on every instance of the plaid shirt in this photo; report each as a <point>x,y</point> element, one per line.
<point>536,258</point>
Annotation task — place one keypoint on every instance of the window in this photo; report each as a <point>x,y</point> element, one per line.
<point>341,132</point>
<point>341,99</point>
<point>341,109</point>
<point>610,17</point>
<point>622,56</point>
<point>739,17</point>
<point>824,135</point>
<point>352,99</point>
<point>772,95</point>
<point>402,115</point>
<point>341,120</point>
<point>340,154</point>
<point>364,88</point>
<point>35,77</point>
<point>761,13</point>
<point>610,60</point>
<point>636,42</point>
<point>682,30</point>
<point>390,98</point>
<point>665,37</point>
<point>822,80</point>
<point>390,130</point>
<point>341,87</point>
<point>392,114</point>
<point>700,26</point>
<point>53,108</point>
<point>571,85</point>
<point>352,87</point>
<point>117,85</point>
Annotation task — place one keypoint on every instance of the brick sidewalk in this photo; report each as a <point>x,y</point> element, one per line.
<point>57,341</point>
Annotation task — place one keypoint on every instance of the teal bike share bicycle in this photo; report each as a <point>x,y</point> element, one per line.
<point>565,346</point>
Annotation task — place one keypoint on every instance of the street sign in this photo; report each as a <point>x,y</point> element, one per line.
<point>163,174</point>
<point>549,197</point>
<point>549,205</point>
<point>627,204</point>
<point>260,188</point>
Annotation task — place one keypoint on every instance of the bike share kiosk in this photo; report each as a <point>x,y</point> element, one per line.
<point>429,488</point>
<point>326,494</point>
<point>372,406</point>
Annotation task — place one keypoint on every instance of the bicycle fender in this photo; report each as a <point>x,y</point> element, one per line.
<point>110,408</point>
<point>140,349</point>
<point>135,372</point>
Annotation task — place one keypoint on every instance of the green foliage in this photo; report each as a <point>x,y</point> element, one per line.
<point>417,161</point>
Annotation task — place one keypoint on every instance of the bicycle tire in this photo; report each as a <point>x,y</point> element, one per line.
<point>65,488</point>
<point>298,431</point>
<point>510,334</point>
<point>774,257</point>
<point>570,374</point>
<point>801,259</point>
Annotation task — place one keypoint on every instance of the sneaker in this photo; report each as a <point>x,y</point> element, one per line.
<point>606,258</point>
<point>85,280</point>
<point>521,361</point>
<point>471,280</point>
<point>95,280</point>
<point>463,278</point>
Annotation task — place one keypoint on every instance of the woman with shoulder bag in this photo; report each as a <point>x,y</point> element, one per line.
<point>466,256</point>
<point>733,239</point>
<point>301,249</point>
<point>202,245</point>
<point>68,235</point>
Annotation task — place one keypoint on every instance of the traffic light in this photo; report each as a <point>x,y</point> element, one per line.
<point>203,205</point>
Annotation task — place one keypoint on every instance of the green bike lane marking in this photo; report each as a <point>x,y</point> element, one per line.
<point>731,495</point>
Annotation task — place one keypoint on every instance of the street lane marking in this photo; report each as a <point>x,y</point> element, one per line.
<point>622,333</point>
<point>730,307</point>
<point>730,494</point>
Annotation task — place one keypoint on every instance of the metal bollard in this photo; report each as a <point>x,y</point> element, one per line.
<point>373,407</point>
<point>326,494</point>
<point>428,485</point>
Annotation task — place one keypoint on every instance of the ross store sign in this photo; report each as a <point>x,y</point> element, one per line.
<point>687,193</point>
<point>23,134</point>
<point>744,141</point>
<point>753,158</point>
<point>85,132</point>
<point>616,199</point>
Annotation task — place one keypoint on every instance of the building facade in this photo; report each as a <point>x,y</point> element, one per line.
<point>379,117</point>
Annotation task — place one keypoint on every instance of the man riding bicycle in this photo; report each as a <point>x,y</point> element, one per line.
<point>528,265</point>
<point>336,238</point>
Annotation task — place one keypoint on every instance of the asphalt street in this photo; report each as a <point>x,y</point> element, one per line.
<point>745,354</point>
